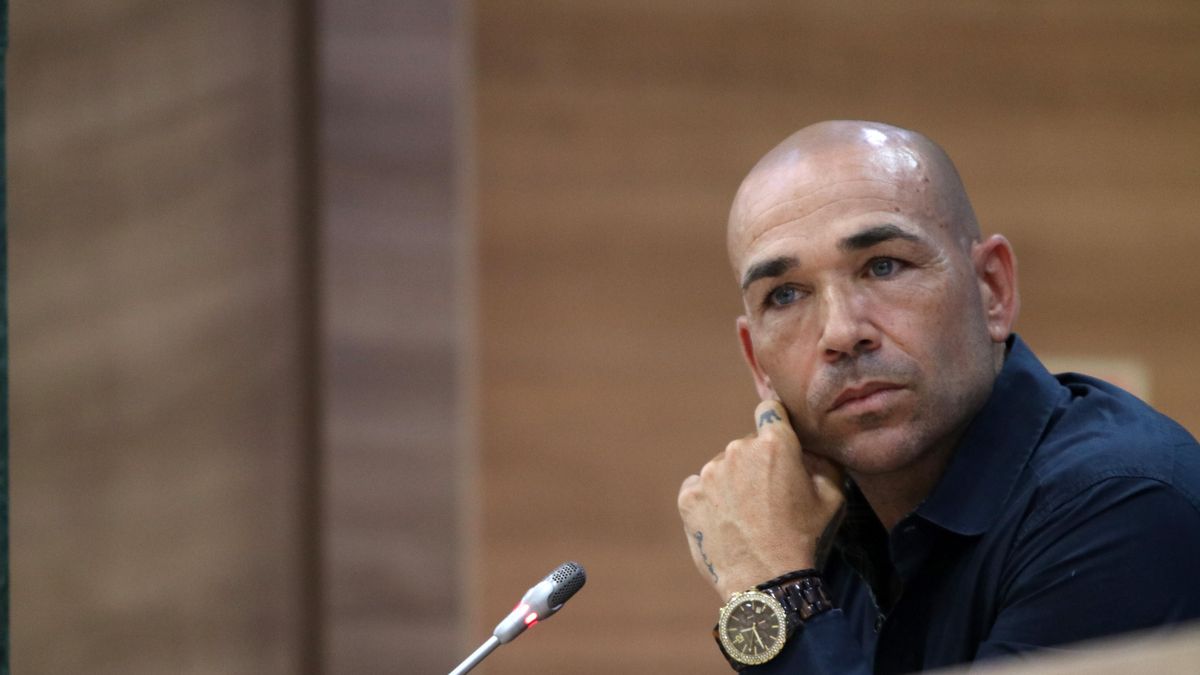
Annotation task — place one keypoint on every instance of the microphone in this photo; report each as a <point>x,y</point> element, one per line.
<point>543,600</point>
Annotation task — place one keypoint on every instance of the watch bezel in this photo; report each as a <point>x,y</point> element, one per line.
<point>735,652</point>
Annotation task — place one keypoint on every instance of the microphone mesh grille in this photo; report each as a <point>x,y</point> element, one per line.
<point>569,578</point>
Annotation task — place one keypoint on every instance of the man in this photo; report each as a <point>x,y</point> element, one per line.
<point>981,506</point>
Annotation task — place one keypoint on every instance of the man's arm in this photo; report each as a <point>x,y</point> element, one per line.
<point>824,646</point>
<point>759,509</point>
<point>1120,556</point>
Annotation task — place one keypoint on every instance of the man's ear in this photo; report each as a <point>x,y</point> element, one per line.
<point>996,271</point>
<point>762,382</point>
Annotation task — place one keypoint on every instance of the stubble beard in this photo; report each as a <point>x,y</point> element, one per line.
<point>874,441</point>
<point>878,443</point>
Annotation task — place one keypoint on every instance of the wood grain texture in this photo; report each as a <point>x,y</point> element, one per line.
<point>611,137</point>
<point>392,316</point>
<point>155,372</point>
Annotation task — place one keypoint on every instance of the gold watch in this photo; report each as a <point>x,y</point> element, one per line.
<point>752,628</point>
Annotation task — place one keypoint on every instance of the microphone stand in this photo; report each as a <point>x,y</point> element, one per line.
<point>477,656</point>
<point>539,602</point>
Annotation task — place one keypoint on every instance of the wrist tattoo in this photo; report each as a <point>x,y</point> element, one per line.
<point>699,537</point>
<point>767,417</point>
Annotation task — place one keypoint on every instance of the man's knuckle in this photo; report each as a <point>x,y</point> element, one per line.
<point>687,497</point>
<point>768,444</point>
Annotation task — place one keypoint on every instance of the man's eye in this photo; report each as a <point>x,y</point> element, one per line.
<point>883,267</point>
<point>784,295</point>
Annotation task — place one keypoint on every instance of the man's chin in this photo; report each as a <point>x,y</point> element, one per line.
<point>870,421</point>
<point>872,451</point>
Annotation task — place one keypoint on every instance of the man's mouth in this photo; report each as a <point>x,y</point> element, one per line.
<point>864,396</point>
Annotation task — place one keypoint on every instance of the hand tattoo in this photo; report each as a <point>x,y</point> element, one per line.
<point>767,417</point>
<point>699,536</point>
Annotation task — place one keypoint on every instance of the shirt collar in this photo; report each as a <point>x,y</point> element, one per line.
<point>996,446</point>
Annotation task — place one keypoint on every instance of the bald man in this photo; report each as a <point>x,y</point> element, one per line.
<point>919,491</point>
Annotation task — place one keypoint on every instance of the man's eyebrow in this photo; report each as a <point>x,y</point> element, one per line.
<point>769,268</point>
<point>875,235</point>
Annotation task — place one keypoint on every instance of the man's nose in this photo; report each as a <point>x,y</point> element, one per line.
<point>847,330</point>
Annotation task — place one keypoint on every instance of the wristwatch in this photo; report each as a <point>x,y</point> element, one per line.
<point>754,625</point>
<point>752,628</point>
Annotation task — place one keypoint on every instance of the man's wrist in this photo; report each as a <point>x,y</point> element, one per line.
<point>799,593</point>
<point>741,578</point>
<point>794,575</point>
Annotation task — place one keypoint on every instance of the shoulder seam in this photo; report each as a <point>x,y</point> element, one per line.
<point>1072,493</point>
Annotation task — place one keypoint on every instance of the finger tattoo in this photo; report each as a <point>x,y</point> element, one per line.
<point>699,536</point>
<point>767,417</point>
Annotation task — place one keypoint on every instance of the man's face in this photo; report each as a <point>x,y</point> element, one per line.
<point>863,307</point>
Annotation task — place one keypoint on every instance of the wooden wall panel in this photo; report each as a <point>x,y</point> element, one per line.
<point>611,137</point>
<point>393,311</point>
<point>156,375</point>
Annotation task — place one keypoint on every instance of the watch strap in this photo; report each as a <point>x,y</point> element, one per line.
<point>802,595</point>
<point>802,598</point>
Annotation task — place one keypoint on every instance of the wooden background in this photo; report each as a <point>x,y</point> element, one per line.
<point>611,137</point>
<point>236,336</point>
<point>158,384</point>
<point>336,325</point>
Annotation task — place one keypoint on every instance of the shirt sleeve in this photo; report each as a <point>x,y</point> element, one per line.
<point>1119,556</point>
<point>824,645</point>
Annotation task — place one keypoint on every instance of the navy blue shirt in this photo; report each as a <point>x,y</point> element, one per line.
<point>1070,511</point>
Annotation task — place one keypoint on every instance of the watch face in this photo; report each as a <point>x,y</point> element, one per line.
<point>752,627</point>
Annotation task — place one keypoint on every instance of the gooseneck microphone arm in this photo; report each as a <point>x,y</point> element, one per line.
<point>539,602</point>
<point>477,656</point>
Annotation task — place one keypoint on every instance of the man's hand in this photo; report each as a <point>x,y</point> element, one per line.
<point>758,509</point>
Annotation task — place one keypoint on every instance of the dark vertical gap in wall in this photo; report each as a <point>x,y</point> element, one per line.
<point>308,225</point>
<point>466,252</point>
<point>4,577</point>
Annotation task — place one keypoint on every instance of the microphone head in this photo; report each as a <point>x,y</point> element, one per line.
<point>543,600</point>
<point>568,578</point>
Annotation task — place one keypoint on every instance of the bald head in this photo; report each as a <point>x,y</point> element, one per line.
<point>862,266</point>
<point>814,168</point>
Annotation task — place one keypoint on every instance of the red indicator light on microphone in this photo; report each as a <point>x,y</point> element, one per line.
<point>530,618</point>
